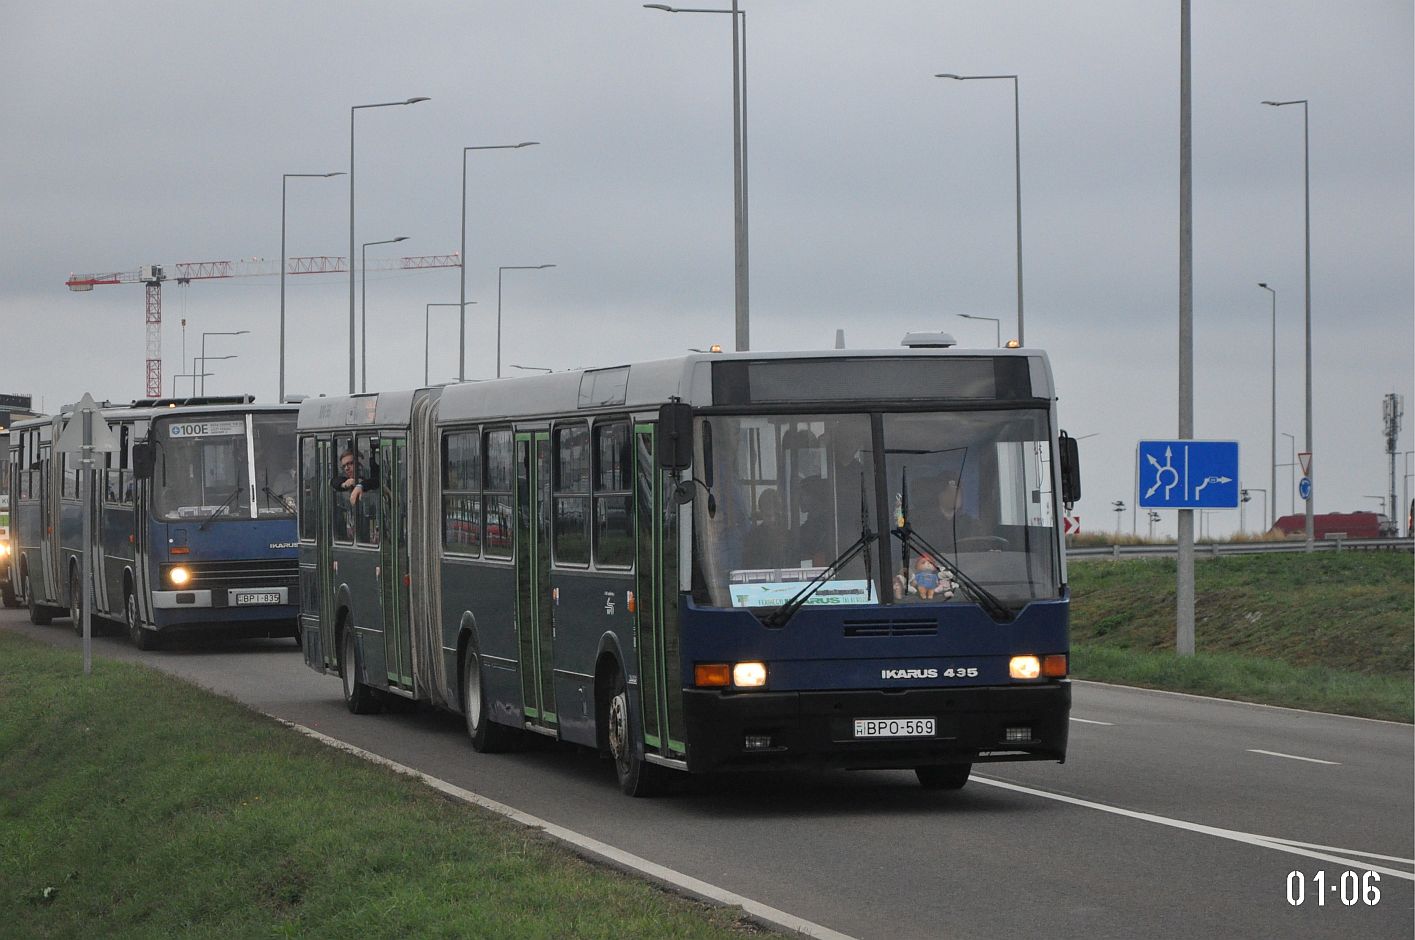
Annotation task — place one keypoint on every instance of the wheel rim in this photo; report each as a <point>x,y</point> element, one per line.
<point>346,666</point>
<point>130,607</point>
<point>619,729</point>
<point>473,692</point>
<point>75,607</point>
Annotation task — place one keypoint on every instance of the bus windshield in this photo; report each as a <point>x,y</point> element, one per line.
<point>788,494</point>
<point>204,466</point>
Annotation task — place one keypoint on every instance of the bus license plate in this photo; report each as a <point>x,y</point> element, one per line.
<point>894,727</point>
<point>245,598</point>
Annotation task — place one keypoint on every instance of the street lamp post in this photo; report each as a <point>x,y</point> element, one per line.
<point>1119,506</point>
<point>201,369</point>
<point>508,267</point>
<point>363,307</point>
<point>203,348</point>
<point>1272,440</point>
<point>427,313</point>
<point>1307,255</point>
<point>283,180</point>
<point>187,375</point>
<point>1017,175</point>
<point>997,325</point>
<point>462,258</point>
<point>352,110</point>
<point>739,163</point>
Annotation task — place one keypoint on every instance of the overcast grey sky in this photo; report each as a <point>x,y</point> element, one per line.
<point>881,198</point>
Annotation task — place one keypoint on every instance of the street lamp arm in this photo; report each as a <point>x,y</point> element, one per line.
<point>970,78</point>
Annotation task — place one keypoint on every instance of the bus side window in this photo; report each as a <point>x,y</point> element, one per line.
<point>343,519</point>
<point>367,514</point>
<point>310,477</point>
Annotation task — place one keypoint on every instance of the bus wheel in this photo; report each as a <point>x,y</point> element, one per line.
<point>943,776</point>
<point>39,615</point>
<point>76,603</point>
<point>487,736</point>
<point>142,639</point>
<point>7,595</point>
<point>358,697</point>
<point>636,776</point>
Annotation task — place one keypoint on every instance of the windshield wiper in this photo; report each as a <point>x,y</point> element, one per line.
<point>987,600</point>
<point>222,508</point>
<point>280,498</point>
<point>783,614</point>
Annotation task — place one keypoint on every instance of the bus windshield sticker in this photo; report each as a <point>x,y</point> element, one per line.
<point>772,587</point>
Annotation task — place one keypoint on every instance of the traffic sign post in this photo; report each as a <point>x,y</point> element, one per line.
<point>84,434</point>
<point>1188,474</point>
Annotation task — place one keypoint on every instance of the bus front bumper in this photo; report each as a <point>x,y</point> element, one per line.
<point>738,731</point>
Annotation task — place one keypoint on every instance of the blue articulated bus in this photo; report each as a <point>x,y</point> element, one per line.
<point>193,519</point>
<point>751,560</point>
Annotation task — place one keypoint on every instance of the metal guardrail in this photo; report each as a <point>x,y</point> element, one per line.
<point>1214,549</point>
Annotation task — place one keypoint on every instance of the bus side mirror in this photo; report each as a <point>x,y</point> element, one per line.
<point>675,436</point>
<point>143,460</point>
<point>1070,469</point>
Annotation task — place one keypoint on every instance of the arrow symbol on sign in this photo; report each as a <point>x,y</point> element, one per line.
<point>1160,470</point>
<point>1208,480</point>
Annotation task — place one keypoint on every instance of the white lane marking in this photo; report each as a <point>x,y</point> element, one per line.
<point>1234,701</point>
<point>616,857</point>
<point>1332,848</point>
<point>1087,721</point>
<point>1247,838</point>
<point>1310,760</point>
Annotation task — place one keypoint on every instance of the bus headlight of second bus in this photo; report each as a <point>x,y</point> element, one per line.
<point>745,675</point>
<point>1036,667</point>
<point>178,576</point>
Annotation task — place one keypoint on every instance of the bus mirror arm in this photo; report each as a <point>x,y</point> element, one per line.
<point>684,492</point>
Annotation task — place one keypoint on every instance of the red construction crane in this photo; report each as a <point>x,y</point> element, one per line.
<point>153,275</point>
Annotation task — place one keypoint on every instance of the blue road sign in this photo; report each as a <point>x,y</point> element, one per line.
<point>1304,489</point>
<point>1188,474</point>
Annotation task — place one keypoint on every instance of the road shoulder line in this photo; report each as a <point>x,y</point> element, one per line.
<point>1237,701</point>
<point>593,847</point>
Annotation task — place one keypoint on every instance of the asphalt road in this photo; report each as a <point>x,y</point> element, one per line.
<point>1174,815</point>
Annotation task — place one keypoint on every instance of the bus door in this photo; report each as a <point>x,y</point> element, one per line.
<point>46,586</point>
<point>535,624</point>
<point>323,496</point>
<point>393,563</point>
<point>656,600</point>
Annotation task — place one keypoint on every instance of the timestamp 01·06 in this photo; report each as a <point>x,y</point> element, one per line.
<point>1351,887</point>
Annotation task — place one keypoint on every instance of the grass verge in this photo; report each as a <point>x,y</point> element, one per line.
<point>1329,632</point>
<point>133,804</point>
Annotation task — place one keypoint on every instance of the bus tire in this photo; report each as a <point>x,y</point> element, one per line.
<point>487,736</point>
<point>637,777</point>
<point>143,639</point>
<point>39,614</point>
<point>358,698</point>
<point>943,776</point>
<point>7,595</point>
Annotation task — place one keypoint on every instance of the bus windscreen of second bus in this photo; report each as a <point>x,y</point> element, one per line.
<point>791,493</point>
<point>203,467</point>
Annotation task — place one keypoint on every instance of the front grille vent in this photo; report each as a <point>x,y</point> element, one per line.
<point>215,575</point>
<point>902,626</point>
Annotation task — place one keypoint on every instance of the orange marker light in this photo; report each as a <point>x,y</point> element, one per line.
<point>712,675</point>
<point>1054,666</point>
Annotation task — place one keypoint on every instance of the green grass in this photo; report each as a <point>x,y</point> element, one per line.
<point>135,805</point>
<point>1330,632</point>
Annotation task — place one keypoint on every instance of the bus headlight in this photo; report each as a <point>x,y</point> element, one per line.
<point>178,575</point>
<point>4,549</point>
<point>749,675</point>
<point>1024,667</point>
